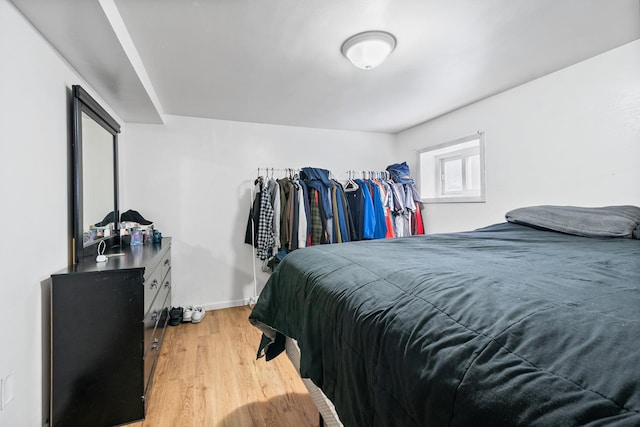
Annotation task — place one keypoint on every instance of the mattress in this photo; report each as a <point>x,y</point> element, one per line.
<point>507,325</point>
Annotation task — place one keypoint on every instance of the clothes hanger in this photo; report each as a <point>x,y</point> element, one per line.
<point>351,185</point>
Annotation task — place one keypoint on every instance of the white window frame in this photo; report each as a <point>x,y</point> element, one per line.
<point>433,174</point>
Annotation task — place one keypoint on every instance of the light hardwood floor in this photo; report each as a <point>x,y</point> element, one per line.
<point>208,376</point>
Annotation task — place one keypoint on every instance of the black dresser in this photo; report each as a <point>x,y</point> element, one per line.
<point>107,325</point>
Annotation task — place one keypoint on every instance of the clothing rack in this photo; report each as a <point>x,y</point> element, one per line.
<point>389,193</point>
<point>313,206</point>
<point>289,171</point>
<point>269,172</point>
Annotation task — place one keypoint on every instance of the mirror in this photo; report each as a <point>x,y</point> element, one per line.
<point>97,172</point>
<point>95,176</point>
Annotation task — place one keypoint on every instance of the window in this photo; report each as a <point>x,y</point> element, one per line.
<point>454,171</point>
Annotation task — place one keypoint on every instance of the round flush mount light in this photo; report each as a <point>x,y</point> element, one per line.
<point>369,49</point>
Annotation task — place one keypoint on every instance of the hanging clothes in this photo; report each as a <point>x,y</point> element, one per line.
<point>283,184</point>
<point>328,220</point>
<point>337,234</point>
<point>418,223</point>
<point>316,220</point>
<point>265,238</point>
<point>340,213</point>
<point>305,234</point>
<point>251,234</point>
<point>259,231</point>
<point>312,209</point>
<point>348,217</point>
<point>291,197</point>
<point>302,215</point>
<point>368,214</point>
<point>412,220</point>
<point>319,180</point>
<point>274,193</point>
<point>400,173</point>
<point>355,202</point>
<point>295,219</point>
<point>387,204</point>
<point>324,220</point>
<point>401,213</point>
<point>380,229</point>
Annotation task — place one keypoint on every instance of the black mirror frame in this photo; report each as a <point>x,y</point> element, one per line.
<point>84,103</point>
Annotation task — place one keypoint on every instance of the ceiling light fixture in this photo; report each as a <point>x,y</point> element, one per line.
<point>369,49</point>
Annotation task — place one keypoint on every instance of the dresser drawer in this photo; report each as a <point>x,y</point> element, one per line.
<point>151,287</point>
<point>165,264</point>
<point>157,316</point>
<point>155,337</point>
<point>149,364</point>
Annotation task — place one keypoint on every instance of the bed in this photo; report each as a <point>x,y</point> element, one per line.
<point>535,321</point>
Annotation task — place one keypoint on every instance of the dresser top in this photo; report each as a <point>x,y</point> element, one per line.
<point>124,257</point>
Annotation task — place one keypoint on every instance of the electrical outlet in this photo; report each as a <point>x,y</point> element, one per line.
<point>6,390</point>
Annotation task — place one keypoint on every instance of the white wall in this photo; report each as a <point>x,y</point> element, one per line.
<point>569,138</point>
<point>193,178</point>
<point>35,88</point>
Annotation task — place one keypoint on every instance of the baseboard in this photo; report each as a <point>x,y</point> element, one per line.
<point>226,304</point>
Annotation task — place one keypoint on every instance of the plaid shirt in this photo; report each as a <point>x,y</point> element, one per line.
<point>265,224</point>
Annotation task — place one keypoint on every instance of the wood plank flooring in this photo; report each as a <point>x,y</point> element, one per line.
<point>207,376</point>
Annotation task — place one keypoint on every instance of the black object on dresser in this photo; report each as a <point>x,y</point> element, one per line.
<point>107,325</point>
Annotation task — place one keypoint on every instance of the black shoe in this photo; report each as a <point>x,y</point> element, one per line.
<point>175,316</point>
<point>134,216</point>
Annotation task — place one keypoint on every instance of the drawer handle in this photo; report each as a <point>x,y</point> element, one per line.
<point>154,283</point>
<point>166,262</point>
<point>154,315</point>
<point>167,284</point>
<point>154,346</point>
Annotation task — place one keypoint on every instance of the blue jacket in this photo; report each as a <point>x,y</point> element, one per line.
<point>319,179</point>
<point>369,217</point>
<point>400,173</point>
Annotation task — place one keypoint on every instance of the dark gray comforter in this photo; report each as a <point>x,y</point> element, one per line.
<point>507,325</point>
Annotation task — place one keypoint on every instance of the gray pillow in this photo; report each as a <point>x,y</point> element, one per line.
<point>608,221</point>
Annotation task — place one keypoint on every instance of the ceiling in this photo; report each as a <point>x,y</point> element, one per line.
<point>279,61</point>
